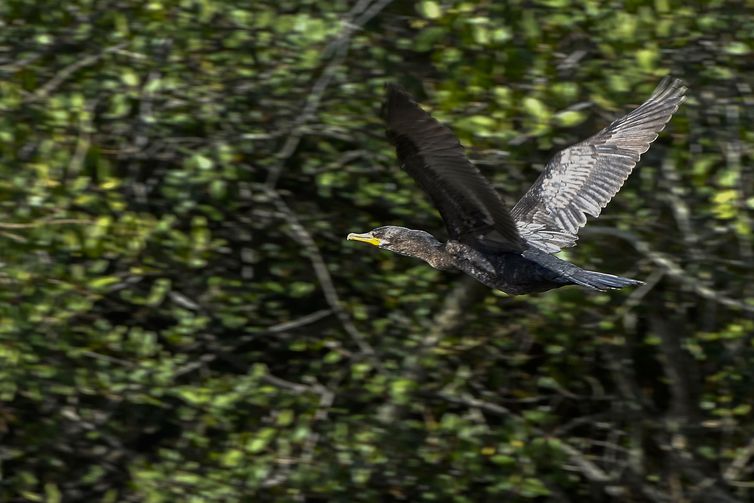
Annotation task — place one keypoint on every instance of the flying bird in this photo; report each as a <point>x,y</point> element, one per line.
<point>513,251</point>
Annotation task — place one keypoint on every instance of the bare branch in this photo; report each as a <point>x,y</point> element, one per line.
<point>590,470</point>
<point>464,295</point>
<point>359,15</point>
<point>673,269</point>
<point>69,70</point>
<point>46,221</point>
<point>737,466</point>
<point>679,370</point>
<point>321,271</point>
<point>290,385</point>
<point>466,292</point>
<point>677,197</point>
<point>300,322</point>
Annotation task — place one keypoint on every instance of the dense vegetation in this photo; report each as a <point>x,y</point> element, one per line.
<point>182,320</point>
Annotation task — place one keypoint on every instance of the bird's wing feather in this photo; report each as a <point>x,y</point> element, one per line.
<point>583,178</point>
<point>432,155</point>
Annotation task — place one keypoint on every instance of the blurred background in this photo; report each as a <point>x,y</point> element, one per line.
<point>181,318</point>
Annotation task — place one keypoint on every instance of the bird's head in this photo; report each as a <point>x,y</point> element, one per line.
<point>400,240</point>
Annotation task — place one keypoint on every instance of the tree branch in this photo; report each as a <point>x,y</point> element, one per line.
<point>322,272</point>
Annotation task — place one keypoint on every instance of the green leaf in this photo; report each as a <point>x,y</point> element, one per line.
<point>647,58</point>
<point>430,9</point>
<point>129,77</point>
<point>737,48</point>
<point>569,118</point>
<point>536,108</point>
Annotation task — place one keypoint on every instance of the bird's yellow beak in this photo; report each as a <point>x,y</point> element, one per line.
<point>366,238</point>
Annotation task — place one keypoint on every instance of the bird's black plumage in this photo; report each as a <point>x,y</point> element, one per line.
<point>512,251</point>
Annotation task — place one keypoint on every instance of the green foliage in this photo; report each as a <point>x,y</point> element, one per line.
<point>182,320</point>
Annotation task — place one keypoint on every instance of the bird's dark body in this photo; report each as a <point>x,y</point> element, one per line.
<point>512,273</point>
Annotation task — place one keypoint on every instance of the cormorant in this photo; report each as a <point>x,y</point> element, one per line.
<point>513,251</point>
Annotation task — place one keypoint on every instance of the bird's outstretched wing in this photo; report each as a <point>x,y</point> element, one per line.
<point>583,178</point>
<point>432,155</point>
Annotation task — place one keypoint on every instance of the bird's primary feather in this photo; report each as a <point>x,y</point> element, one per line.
<point>432,155</point>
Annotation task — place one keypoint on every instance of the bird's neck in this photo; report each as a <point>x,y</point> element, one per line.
<point>436,255</point>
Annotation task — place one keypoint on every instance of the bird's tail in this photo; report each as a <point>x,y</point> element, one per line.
<point>601,281</point>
